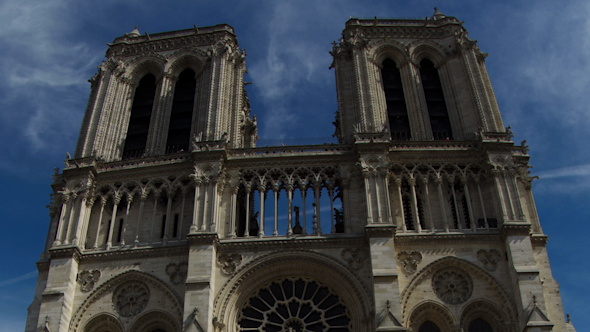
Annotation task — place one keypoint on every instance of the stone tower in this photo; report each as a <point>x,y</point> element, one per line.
<point>169,218</point>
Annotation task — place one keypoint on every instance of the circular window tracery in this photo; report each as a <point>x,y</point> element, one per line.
<point>453,286</point>
<point>131,298</point>
<point>294,305</point>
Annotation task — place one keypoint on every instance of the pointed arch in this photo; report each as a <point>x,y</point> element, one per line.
<point>392,49</point>
<point>426,49</point>
<point>395,101</point>
<point>429,311</point>
<point>149,64</point>
<point>440,123</point>
<point>181,115</point>
<point>169,300</point>
<point>487,311</point>
<point>186,59</point>
<point>475,272</point>
<point>140,117</point>
<point>287,264</point>
<point>156,320</point>
<point>104,322</point>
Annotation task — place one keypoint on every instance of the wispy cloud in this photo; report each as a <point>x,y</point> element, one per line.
<point>18,279</point>
<point>577,171</point>
<point>42,66</point>
<point>294,59</point>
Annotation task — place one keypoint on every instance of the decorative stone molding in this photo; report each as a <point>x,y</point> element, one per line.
<point>409,260</point>
<point>489,258</point>
<point>286,264</point>
<point>229,262</point>
<point>452,285</point>
<point>130,298</point>
<point>177,272</point>
<point>354,257</point>
<point>87,279</point>
<point>105,289</point>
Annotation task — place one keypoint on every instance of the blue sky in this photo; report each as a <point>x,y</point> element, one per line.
<point>538,65</point>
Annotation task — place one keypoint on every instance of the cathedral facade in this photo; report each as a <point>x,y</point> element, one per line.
<point>421,218</point>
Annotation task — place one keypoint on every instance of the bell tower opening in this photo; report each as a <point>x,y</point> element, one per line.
<point>397,113</point>
<point>435,101</point>
<point>141,113</point>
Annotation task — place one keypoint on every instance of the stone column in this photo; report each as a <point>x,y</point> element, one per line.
<point>289,188</point>
<point>144,196</point>
<point>232,223</point>
<point>72,213</point>
<point>103,202</point>
<point>417,225</point>
<point>262,191</point>
<point>303,189</point>
<point>196,206</point>
<point>126,219</point>
<point>62,215</point>
<point>441,200</point>
<point>116,201</point>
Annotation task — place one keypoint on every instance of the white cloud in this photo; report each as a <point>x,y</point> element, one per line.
<point>14,280</point>
<point>43,66</point>
<point>577,171</point>
<point>294,59</point>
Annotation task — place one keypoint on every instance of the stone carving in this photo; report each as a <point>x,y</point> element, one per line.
<point>177,272</point>
<point>229,262</point>
<point>452,285</point>
<point>130,298</point>
<point>489,258</point>
<point>354,257</point>
<point>409,260</point>
<point>87,279</point>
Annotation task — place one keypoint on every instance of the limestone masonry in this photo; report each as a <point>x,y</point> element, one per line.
<point>421,218</point>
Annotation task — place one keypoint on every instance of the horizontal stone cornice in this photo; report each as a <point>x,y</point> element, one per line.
<point>435,238</point>
<point>283,243</point>
<point>515,228</point>
<point>131,46</point>
<point>197,239</point>
<point>133,253</point>
<point>65,252</point>
<point>380,230</point>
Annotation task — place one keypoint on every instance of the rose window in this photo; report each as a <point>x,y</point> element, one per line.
<point>294,305</point>
<point>131,298</point>
<point>452,286</point>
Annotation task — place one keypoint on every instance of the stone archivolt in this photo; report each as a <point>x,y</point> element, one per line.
<point>292,264</point>
<point>484,287</point>
<point>111,289</point>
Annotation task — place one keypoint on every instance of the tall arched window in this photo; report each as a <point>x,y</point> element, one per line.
<point>141,113</point>
<point>429,326</point>
<point>399,123</point>
<point>182,112</point>
<point>435,101</point>
<point>480,325</point>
